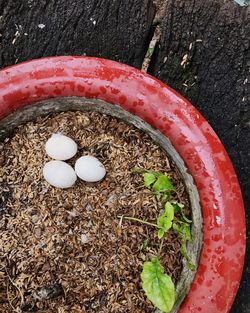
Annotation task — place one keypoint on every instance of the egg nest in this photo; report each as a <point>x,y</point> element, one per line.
<point>66,250</point>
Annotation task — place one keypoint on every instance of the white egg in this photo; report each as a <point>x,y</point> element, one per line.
<point>60,147</point>
<point>89,169</point>
<point>59,174</point>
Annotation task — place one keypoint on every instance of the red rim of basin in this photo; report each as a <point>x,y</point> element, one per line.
<point>222,257</point>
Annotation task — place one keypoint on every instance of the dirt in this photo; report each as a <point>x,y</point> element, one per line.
<point>66,250</point>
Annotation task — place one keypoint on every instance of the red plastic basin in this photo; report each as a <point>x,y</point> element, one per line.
<point>219,273</point>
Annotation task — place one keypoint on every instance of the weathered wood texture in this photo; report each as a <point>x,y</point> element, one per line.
<point>214,38</point>
<point>204,53</point>
<point>114,29</point>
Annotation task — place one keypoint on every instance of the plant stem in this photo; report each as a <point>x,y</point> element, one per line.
<point>161,244</point>
<point>137,220</point>
<point>142,170</point>
<point>162,191</point>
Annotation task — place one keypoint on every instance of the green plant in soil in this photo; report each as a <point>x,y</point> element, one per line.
<point>157,285</point>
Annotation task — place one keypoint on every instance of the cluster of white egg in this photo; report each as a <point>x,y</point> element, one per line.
<point>59,173</point>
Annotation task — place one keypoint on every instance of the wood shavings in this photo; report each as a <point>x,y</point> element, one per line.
<point>65,250</point>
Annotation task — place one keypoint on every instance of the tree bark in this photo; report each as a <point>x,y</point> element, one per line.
<point>112,29</point>
<point>204,53</point>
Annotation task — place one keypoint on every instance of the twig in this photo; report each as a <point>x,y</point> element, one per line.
<point>120,223</point>
<point>10,301</point>
<point>162,191</point>
<point>178,195</point>
<point>161,245</point>
<point>142,170</point>
<point>13,283</point>
<point>137,220</point>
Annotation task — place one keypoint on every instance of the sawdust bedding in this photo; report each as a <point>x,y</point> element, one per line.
<point>66,250</point>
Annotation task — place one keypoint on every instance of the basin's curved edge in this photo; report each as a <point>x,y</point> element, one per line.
<point>63,104</point>
<point>222,258</point>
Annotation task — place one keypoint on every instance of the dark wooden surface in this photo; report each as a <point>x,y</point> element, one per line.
<point>214,38</point>
<point>204,53</point>
<point>117,30</point>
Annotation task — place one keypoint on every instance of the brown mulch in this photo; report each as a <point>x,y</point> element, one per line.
<point>65,250</point>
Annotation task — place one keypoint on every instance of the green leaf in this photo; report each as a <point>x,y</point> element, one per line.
<point>183,251</point>
<point>169,210</point>
<point>176,228</point>
<point>145,244</point>
<point>158,195</point>
<point>143,170</point>
<point>149,179</point>
<point>160,233</point>
<point>165,197</point>
<point>165,223</point>
<point>158,286</point>
<point>163,184</point>
<point>190,265</point>
<point>150,52</point>
<point>178,207</point>
<point>185,232</point>
<point>185,218</point>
